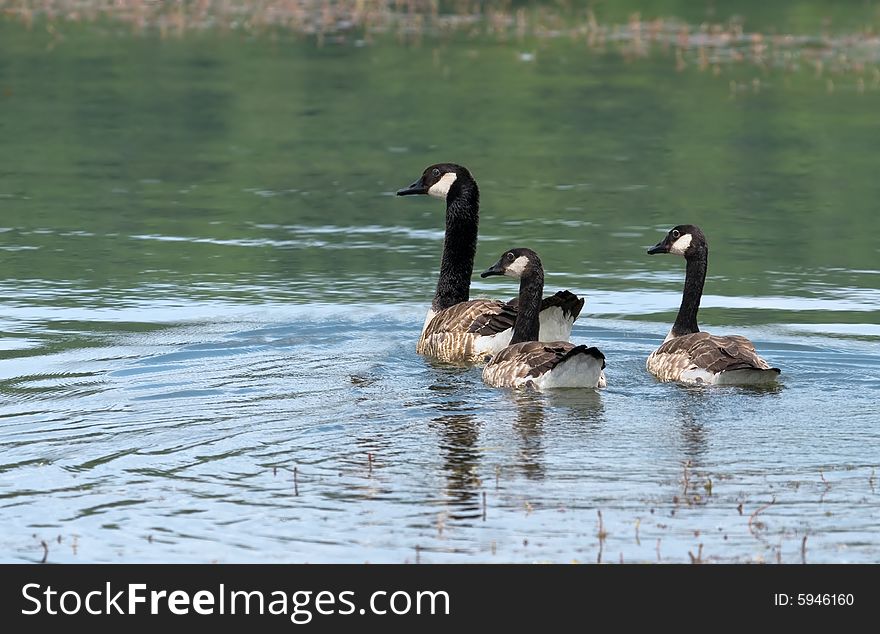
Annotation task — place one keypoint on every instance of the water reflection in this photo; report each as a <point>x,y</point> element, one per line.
<point>580,410</point>
<point>459,443</point>
<point>529,425</point>
<point>693,411</point>
<point>694,437</point>
<point>699,405</point>
<point>459,437</point>
<point>585,407</point>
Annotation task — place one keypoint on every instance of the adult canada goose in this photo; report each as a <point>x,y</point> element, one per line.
<point>691,356</point>
<point>527,361</point>
<point>459,329</point>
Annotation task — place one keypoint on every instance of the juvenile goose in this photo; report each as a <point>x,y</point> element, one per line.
<point>456,328</point>
<point>527,361</point>
<point>691,356</point>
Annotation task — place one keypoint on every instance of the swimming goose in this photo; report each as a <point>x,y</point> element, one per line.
<point>527,362</point>
<point>458,329</point>
<point>695,357</point>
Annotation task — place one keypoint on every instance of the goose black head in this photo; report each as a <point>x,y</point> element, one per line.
<point>515,263</point>
<point>685,240</point>
<point>437,180</point>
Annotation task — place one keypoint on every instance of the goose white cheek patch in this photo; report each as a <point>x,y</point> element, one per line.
<point>518,266</point>
<point>681,245</point>
<point>441,187</point>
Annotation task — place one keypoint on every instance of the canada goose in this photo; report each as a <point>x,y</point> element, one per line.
<point>456,328</point>
<point>691,356</point>
<point>527,361</point>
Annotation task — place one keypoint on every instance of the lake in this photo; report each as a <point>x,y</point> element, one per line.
<point>211,298</point>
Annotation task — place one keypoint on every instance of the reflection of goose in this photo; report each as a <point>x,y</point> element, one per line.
<point>529,424</point>
<point>694,410</point>
<point>460,445</point>
<point>457,328</point>
<point>527,361</point>
<point>691,356</point>
<point>458,439</point>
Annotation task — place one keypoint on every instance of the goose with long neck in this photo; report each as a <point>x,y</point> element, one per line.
<point>689,355</point>
<point>527,362</point>
<point>460,240</point>
<point>458,329</point>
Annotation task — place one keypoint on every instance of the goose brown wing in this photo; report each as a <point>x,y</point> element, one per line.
<point>492,320</point>
<point>534,358</point>
<point>478,316</point>
<point>452,334</point>
<point>715,353</point>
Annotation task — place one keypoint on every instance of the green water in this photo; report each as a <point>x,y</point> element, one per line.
<point>208,281</point>
<point>116,137</point>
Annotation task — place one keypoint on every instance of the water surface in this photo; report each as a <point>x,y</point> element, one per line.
<point>211,297</point>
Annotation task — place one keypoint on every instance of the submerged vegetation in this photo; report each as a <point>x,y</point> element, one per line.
<point>706,40</point>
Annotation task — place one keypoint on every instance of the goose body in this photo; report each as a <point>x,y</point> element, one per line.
<point>527,362</point>
<point>545,366</point>
<point>474,330</point>
<point>689,355</point>
<point>458,329</point>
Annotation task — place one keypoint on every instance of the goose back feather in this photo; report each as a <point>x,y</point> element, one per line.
<point>468,331</point>
<point>473,331</point>
<point>541,365</point>
<point>704,358</point>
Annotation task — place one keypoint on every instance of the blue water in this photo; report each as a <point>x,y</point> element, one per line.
<point>180,444</point>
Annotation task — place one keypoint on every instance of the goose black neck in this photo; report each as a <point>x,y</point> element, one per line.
<point>686,322</point>
<point>527,324</point>
<point>459,244</point>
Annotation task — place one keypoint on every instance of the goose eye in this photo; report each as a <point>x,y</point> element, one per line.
<point>435,172</point>
<point>676,233</point>
<point>509,256</point>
